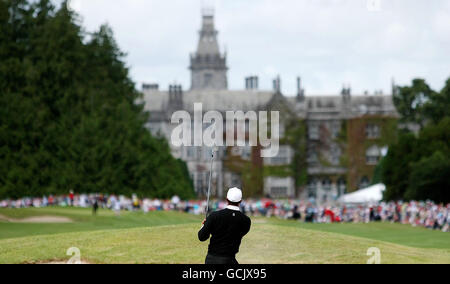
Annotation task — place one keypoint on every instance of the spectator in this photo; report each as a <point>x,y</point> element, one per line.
<point>424,214</point>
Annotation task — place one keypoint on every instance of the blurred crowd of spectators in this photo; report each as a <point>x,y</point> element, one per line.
<point>424,214</point>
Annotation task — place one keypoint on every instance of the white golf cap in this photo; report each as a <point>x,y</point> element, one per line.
<point>234,194</point>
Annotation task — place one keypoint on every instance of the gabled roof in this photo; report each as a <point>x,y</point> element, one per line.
<point>245,100</point>
<point>220,100</point>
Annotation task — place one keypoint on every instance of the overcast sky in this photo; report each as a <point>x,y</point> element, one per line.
<point>326,42</point>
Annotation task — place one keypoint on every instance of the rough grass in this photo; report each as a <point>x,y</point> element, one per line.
<point>169,237</point>
<point>178,244</point>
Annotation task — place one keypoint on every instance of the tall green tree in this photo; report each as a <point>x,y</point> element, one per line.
<point>438,105</point>
<point>396,166</point>
<point>417,168</point>
<point>429,180</point>
<point>68,117</point>
<point>410,101</point>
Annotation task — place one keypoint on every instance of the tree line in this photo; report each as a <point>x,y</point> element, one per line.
<point>417,166</point>
<point>68,113</point>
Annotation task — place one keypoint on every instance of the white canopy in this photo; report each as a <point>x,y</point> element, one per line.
<point>371,194</point>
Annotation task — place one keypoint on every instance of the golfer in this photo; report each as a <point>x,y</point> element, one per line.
<point>227,228</point>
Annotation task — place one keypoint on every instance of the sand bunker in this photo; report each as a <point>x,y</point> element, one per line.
<point>37,219</point>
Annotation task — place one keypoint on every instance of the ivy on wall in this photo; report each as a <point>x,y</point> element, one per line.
<point>254,171</point>
<point>358,143</point>
<point>351,139</point>
<point>296,138</point>
<point>278,171</point>
<point>250,171</point>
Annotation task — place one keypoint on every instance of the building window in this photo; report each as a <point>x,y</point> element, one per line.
<point>364,182</point>
<point>207,153</point>
<point>199,153</point>
<point>372,131</point>
<point>335,154</point>
<point>199,183</point>
<point>190,152</point>
<point>312,156</point>
<point>282,157</point>
<point>278,161</point>
<point>236,151</point>
<point>373,155</point>
<point>208,79</point>
<point>335,129</point>
<point>313,131</point>
<point>235,180</point>
<point>312,189</point>
<point>282,130</point>
<point>326,184</point>
<point>246,152</point>
<point>277,192</point>
<point>342,187</point>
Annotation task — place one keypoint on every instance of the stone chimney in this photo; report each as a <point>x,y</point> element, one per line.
<point>277,84</point>
<point>175,97</point>
<point>251,83</point>
<point>346,93</point>
<point>300,90</point>
<point>148,87</point>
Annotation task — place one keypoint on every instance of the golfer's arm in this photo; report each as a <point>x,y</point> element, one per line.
<point>205,231</point>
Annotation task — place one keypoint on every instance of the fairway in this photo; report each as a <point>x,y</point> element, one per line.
<point>171,237</point>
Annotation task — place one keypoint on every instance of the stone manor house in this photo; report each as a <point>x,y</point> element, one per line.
<point>342,135</point>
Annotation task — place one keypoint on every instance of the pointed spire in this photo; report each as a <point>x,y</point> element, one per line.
<point>207,43</point>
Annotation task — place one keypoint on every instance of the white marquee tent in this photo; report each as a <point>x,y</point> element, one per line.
<point>371,194</point>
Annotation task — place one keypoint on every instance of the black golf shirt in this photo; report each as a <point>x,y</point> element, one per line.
<point>227,228</point>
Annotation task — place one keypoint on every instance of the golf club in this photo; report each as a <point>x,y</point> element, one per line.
<point>213,152</point>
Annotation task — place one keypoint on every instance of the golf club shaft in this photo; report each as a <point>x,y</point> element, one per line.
<point>209,184</point>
